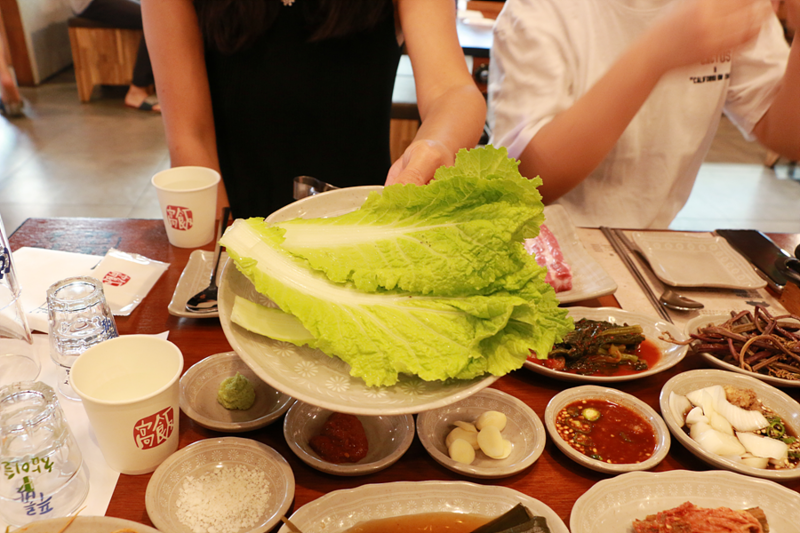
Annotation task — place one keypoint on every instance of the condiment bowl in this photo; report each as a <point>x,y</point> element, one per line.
<point>198,396</point>
<point>523,428</point>
<point>388,439</point>
<point>779,402</point>
<point>204,463</point>
<point>594,392</point>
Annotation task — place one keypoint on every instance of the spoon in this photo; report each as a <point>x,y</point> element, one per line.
<point>205,301</point>
<point>678,302</point>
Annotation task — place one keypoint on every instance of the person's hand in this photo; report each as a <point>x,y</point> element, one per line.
<point>792,8</point>
<point>419,162</point>
<point>699,30</point>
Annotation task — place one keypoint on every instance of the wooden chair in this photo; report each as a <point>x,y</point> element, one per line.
<point>103,55</point>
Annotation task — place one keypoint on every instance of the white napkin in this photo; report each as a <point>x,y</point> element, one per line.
<point>127,279</point>
<point>37,269</point>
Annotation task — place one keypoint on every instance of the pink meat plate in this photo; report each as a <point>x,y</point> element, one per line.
<point>548,254</point>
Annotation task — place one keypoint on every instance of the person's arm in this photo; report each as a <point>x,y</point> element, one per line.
<point>176,52</point>
<point>779,128</point>
<point>452,109</point>
<point>695,30</point>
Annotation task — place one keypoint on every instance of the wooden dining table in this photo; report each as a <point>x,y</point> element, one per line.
<point>553,479</point>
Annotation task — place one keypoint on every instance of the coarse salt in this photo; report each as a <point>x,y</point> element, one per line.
<point>226,500</point>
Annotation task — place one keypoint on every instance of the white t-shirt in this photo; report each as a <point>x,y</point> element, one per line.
<point>78,6</point>
<point>548,53</point>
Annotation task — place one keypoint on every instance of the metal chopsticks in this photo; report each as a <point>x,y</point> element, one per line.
<point>614,237</point>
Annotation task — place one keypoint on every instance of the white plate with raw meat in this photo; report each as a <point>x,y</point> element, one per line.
<point>669,354</point>
<point>588,279</point>
<point>612,505</point>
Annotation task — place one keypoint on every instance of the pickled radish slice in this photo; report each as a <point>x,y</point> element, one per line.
<point>491,418</point>
<point>461,451</point>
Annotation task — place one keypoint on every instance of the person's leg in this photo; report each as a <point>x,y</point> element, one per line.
<point>127,14</point>
<point>9,94</point>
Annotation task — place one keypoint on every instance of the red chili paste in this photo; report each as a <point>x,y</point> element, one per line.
<point>618,436</point>
<point>342,440</point>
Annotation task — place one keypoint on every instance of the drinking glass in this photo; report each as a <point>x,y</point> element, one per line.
<point>79,318</point>
<point>17,360</point>
<point>42,473</point>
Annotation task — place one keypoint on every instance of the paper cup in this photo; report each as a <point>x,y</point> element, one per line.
<point>130,390</point>
<point>188,200</point>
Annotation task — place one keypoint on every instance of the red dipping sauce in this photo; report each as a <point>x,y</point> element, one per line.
<point>342,440</point>
<point>618,436</point>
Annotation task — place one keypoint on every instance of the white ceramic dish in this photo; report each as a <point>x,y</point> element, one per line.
<point>342,509</point>
<point>611,505</point>
<point>198,396</point>
<point>704,320</point>
<point>589,280</point>
<point>523,428</point>
<point>687,260</point>
<point>85,524</point>
<point>205,456</point>
<point>780,402</point>
<point>388,438</point>
<point>671,354</point>
<point>194,278</point>
<point>312,376</point>
<point>585,392</point>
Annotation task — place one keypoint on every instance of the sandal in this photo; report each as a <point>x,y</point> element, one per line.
<point>11,109</point>
<point>147,104</point>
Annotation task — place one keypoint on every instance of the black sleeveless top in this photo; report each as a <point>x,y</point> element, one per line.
<point>287,107</point>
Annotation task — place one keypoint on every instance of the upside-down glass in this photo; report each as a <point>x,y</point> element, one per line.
<point>41,467</point>
<point>79,318</point>
<point>17,360</point>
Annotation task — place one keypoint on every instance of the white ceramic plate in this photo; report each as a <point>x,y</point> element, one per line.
<point>671,354</point>
<point>312,376</point>
<point>206,456</point>
<point>524,430</point>
<point>686,260</point>
<point>611,505</point>
<point>589,280</point>
<point>585,392</point>
<point>781,403</point>
<point>194,278</point>
<point>85,524</point>
<point>342,509</point>
<point>704,320</point>
<point>198,396</point>
<point>388,439</point>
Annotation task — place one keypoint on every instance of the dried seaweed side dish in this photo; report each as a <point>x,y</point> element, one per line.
<point>755,341</point>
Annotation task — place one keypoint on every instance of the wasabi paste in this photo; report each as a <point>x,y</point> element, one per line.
<point>236,393</point>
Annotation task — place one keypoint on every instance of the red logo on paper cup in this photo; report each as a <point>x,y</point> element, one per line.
<point>180,218</point>
<point>116,279</point>
<point>155,429</point>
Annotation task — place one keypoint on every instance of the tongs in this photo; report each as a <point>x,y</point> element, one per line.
<point>308,186</point>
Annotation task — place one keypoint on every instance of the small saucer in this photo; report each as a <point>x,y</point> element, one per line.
<point>524,429</point>
<point>198,396</point>
<point>388,436</point>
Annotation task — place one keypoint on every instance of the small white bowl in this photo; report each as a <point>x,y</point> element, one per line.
<point>783,405</point>
<point>198,396</point>
<point>593,392</point>
<point>523,429</point>
<point>388,438</point>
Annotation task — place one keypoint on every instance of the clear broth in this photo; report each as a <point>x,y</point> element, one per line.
<point>422,523</point>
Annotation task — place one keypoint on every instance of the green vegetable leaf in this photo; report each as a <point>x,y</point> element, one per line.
<point>471,220</point>
<point>420,280</point>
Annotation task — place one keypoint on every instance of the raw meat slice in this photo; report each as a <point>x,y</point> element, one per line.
<point>548,254</point>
